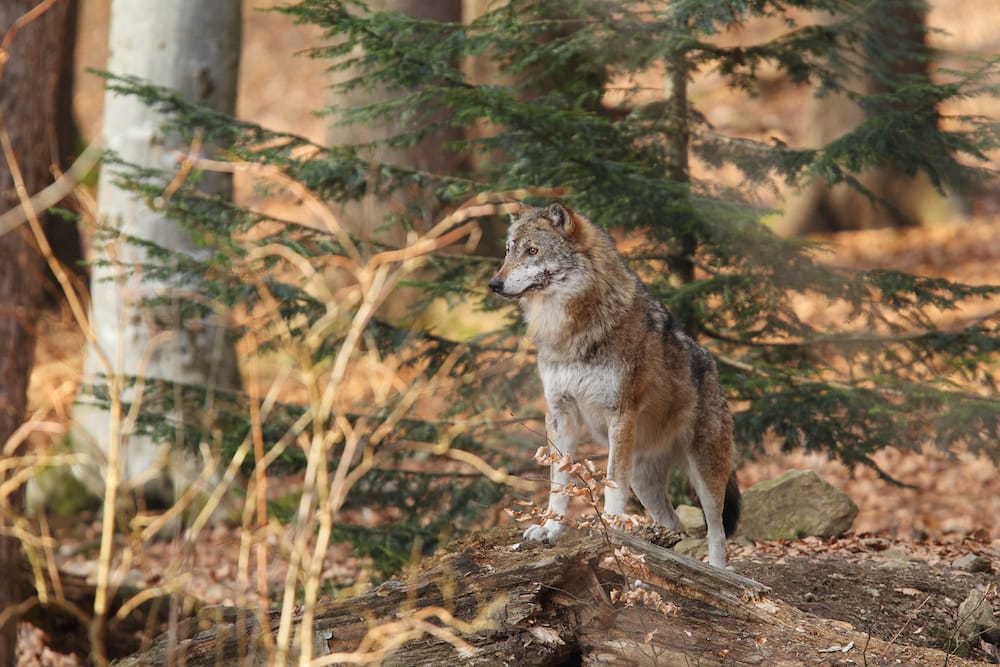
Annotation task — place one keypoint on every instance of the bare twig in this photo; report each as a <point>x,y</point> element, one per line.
<point>32,14</point>
<point>53,193</point>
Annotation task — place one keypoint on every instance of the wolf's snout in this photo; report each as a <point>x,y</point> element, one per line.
<point>496,283</point>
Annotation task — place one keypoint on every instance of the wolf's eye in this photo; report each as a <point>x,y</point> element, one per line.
<point>532,251</point>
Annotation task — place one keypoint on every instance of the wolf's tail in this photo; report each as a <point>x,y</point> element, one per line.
<point>731,506</point>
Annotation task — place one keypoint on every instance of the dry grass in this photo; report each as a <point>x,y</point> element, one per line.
<point>264,563</point>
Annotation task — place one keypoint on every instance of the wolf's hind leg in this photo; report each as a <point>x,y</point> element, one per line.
<point>711,492</point>
<point>649,481</point>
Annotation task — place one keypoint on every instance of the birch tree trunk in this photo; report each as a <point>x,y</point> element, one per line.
<point>192,47</point>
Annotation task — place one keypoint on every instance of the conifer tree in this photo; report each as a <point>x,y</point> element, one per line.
<point>884,374</point>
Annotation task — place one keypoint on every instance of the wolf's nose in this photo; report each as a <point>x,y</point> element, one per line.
<point>496,284</point>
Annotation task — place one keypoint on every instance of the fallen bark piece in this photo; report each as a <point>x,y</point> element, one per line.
<point>836,648</point>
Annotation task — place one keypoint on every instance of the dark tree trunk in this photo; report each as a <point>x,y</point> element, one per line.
<point>63,135</point>
<point>27,114</point>
<point>431,155</point>
<point>822,208</point>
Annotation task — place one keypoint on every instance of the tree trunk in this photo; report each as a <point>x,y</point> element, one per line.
<point>681,261</point>
<point>64,236</point>
<point>27,115</point>
<point>371,217</point>
<point>192,47</point>
<point>823,208</point>
<point>367,218</point>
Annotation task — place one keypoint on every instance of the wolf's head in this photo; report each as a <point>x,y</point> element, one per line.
<point>542,245</point>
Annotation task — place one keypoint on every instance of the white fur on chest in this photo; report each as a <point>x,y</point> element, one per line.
<point>546,319</point>
<point>593,390</point>
<point>546,315</point>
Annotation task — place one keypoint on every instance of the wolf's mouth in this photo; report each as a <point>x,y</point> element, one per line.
<point>530,288</point>
<point>498,287</point>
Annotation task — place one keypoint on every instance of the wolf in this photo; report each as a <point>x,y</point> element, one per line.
<point>616,366</point>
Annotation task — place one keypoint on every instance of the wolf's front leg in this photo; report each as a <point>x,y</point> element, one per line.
<point>558,504</point>
<point>563,433</point>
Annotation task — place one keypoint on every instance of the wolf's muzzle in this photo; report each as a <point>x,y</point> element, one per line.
<point>496,284</point>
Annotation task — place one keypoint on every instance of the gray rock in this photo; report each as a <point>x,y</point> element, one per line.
<point>901,554</point>
<point>797,503</point>
<point>976,619</point>
<point>894,564</point>
<point>694,547</point>
<point>692,520</point>
<point>972,563</point>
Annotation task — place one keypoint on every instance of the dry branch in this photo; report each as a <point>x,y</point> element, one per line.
<point>53,193</point>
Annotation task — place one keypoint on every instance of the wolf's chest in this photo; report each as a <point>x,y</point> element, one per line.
<point>592,387</point>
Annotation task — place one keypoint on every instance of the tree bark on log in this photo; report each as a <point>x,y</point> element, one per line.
<point>594,600</point>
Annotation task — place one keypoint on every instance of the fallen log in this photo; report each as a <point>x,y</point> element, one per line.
<point>600,599</point>
<point>64,614</point>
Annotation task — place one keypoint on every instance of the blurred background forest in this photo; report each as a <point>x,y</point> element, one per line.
<point>953,489</point>
<point>282,89</point>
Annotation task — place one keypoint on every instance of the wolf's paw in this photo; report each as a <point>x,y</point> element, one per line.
<point>547,532</point>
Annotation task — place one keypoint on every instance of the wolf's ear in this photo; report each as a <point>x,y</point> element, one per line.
<point>513,207</point>
<point>562,217</point>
